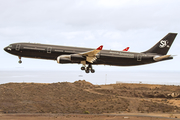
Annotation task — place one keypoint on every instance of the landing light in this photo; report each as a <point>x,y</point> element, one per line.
<point>9,49</point>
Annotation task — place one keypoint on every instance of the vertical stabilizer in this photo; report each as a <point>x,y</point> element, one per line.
<point>163,46</point>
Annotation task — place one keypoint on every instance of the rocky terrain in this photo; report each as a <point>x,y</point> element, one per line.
<point>85,98</point>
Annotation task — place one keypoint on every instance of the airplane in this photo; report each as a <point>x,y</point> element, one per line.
<point>88,56</point>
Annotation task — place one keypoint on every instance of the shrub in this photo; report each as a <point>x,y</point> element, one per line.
<point>86,112</point>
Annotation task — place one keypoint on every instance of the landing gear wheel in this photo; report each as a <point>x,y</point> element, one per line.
<point>82,68</point>
<point>87,70</point>
<point>92,70</point>
<point>19,61</point>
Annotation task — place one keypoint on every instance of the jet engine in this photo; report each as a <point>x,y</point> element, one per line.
<point>64,59</point>
<point>70,58</point>
<point>77,58</point>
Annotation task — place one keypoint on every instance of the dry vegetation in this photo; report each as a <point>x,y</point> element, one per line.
<point>84,97</point>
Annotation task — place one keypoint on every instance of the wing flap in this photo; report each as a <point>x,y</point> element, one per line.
<point>91,59</point>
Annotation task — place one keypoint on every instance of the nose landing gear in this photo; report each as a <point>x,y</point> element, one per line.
<point>20,61</point>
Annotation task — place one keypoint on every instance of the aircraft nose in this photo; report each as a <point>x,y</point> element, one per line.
<point>5,49</point>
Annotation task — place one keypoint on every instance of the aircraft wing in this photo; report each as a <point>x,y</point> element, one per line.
<point>91,55</point>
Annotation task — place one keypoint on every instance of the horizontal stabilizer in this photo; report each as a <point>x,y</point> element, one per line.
<point>159,58</point>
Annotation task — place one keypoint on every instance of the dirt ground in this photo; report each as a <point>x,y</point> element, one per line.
<point>82,97</point>
<point>78,117</point>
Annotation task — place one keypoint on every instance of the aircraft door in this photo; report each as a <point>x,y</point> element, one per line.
<point>18,47</point>
<point>139,57</point>
<point>49,49</point>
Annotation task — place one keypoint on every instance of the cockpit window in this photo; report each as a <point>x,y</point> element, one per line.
<point>10,46</point>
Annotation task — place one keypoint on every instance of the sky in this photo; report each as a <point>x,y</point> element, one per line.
<point>115,24</point>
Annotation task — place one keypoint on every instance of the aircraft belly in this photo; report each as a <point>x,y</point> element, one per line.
<point>122,61</point>
<point>38,54</point>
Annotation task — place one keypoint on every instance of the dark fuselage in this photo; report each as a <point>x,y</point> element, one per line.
<point>88,56</point>
<point>106,57</point>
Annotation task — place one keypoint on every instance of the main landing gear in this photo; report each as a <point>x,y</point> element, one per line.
<point>20,61</point>
<point>88,69</point>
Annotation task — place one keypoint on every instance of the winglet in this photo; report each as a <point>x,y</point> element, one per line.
<point>126,49</point>
<point>100,47</point>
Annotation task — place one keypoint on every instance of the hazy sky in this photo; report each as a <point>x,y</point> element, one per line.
<point>116,24</point>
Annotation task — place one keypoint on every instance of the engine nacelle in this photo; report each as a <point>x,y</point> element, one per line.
<point>77,58</point>
<point>64,59</point>
<point>70,58</point>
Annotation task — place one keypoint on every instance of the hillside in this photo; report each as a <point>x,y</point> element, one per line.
<point>84,97</point>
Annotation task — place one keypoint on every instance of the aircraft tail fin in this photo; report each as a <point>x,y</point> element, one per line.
<point>163,46</point>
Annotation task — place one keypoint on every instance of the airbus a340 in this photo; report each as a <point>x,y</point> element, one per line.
<point>88,57</point>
